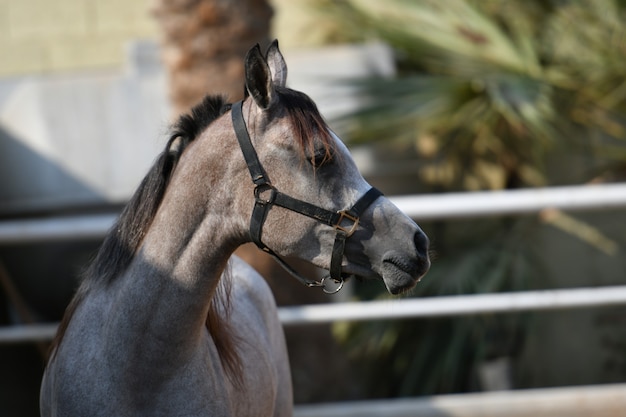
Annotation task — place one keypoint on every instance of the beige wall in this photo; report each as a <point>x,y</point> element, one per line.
<point>38,36</point>
<point>299,23</point>
<point>51,35</point>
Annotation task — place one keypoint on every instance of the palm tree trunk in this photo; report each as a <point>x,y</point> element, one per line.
<point>204,42</point>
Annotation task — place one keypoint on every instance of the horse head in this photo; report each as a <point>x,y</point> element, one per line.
<point>307,187</point>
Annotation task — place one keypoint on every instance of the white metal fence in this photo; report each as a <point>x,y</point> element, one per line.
<point>458,305</point>
<point>451,205</point>
<point>588,401</point>
<point>420,207</point>
<point>426,307</point>
<point>509,202</point>
<point>606,400</point>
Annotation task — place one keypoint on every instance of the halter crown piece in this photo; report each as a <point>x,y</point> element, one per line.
<point>266,195</point>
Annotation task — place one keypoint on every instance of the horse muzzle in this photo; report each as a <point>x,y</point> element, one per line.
<point>402,271</point>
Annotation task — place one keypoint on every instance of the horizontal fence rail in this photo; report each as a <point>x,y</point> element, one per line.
<point>583,401</point>
<point>421,207</point>
<point>509,202</point>
<point>444,306</point>
<point>28,333</point>
<point>80,227</point>
<point>458,305</point>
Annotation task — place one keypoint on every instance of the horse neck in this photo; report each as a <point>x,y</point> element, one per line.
<point>177,268</point>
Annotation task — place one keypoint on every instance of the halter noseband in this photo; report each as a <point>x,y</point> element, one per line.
<point>266,195</point>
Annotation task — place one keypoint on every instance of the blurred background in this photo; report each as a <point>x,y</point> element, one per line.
<point>431,96</point>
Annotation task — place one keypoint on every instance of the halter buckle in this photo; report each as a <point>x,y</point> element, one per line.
<point>344,215</point>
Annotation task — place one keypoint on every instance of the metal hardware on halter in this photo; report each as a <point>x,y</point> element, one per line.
<point>343,214</point>
<point>260,189</point>
<point>333,291</point>
<point>263,202</point>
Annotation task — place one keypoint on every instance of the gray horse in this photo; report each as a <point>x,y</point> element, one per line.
<point>163,323</point>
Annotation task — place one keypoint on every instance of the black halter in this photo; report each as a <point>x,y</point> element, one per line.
<point>266,195</point>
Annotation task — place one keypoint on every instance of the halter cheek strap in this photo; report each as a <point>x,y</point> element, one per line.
<point>266,195</point>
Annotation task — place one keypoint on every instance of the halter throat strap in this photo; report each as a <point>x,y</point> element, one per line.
<point>266,195</point>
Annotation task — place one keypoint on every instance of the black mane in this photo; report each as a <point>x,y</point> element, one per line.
<point>124,238</point>
<point>189,126</point>
<point>126,235</point>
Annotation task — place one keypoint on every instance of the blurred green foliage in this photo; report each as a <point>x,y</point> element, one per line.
<point>490,95</point>
<point>488,89</point>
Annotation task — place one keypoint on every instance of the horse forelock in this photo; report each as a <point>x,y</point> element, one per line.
<point>309,127</point>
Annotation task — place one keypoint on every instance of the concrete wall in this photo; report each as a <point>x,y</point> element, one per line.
<point>88,138</point>
<point>82,138</point>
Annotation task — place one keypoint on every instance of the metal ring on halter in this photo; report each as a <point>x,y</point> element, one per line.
<point>336,290</point>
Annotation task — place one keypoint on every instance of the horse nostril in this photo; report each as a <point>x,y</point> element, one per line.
<point>421,243</point>
<point>421,246</point>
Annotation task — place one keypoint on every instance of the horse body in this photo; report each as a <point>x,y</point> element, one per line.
<point>141,339</point>
<point>155,329</point>
<point>98,373</point>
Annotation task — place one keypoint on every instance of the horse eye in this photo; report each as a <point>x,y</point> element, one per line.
<point>321,157</point>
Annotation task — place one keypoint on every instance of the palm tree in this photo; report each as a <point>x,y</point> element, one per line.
<point>493,94</point>
<point>204,42</point>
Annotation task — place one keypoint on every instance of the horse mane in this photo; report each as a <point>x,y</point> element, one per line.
<point>125,237</point>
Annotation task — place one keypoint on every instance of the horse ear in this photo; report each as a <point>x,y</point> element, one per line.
<point>277,64</point>
<point>259,78</point>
